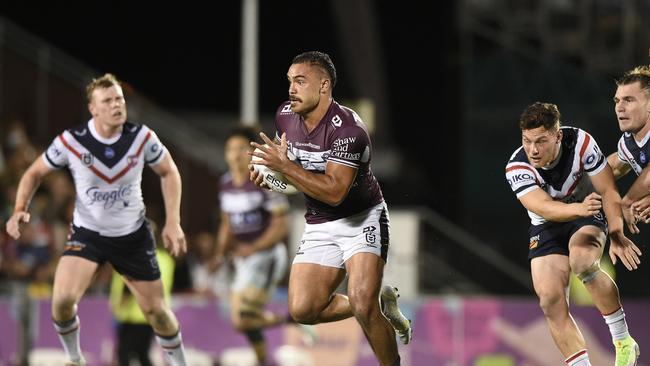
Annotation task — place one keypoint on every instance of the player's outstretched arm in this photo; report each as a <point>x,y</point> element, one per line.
<point>170,180</point>
<point>619,167</point>
<point>28,184</point>
<point>541,203</point>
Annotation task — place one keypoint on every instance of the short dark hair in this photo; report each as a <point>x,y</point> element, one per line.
<point>250,133</point>
<point>640,74</point>
<point>319,59</point>
<point>540,114</point>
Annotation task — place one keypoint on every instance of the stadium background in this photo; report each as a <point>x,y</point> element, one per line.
<point>442,84</point>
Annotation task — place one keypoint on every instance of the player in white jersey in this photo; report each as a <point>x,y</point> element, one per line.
<point>632,107</point>
<point>552,175</point>
<point>347,227</point>
<point>106,157</point>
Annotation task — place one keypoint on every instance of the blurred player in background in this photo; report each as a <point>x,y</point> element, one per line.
<point>106,157</point>
<point>253,225</point>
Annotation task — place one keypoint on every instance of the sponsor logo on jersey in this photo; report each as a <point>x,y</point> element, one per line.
<point>577,176</point>
<point>82,133</point>
<point>534,242</point>
<point>110,197</point>
<point>109,152</point>
<point>308,144</point>
<point>337,121</point>
<point>54,151</point>
<point>516,178</point>
<point>87,159</point>
<point>346,155</point>
<point>642,157</point>
<point>343,142</point>
<point>154,148</point>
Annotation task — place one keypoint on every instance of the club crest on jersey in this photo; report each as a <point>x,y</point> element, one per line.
<point>132,160</point>
<point>286,109</point>
<point>642,157</point>
<point>87,159</point>
<point>109,152</point>
<point>337,121</point>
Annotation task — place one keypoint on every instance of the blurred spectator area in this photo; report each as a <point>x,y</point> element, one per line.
<point>42,93</point>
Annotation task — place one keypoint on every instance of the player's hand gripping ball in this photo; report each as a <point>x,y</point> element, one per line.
<point>274,180</point>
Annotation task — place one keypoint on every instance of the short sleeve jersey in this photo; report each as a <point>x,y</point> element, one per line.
<point>635,154</point>
<point>249,208</point>
<point>340,137</point>
<point>107,174</point>
<point>566,179</point>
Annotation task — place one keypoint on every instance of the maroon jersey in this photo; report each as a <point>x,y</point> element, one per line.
<point>249,207</point>
<point>340,138</point>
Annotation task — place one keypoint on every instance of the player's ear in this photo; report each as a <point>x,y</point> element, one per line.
<point>559,135</point>
<point>324,85</point>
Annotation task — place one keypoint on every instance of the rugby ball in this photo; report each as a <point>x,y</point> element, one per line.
<point>274,180</point>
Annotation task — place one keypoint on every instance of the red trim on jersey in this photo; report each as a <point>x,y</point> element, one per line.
<point>520,167</point>
<point>95,170</point>
<point>582,152</point>
<point>576,355</point>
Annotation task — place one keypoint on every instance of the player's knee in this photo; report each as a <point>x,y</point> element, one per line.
<point>160,318</point>
<point>64,306</point>
<point>364,304</point>
<point>586,271</point>
<point>552,302</point>
<point>302,312</point>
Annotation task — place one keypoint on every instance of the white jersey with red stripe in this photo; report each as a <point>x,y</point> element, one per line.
<point>564,179</point>
<point>107,174</point>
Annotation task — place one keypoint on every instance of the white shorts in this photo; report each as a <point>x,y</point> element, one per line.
<point>334,242</point>
<point>261,270</point>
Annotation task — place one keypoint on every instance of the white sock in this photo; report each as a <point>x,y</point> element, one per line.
<point>173,347</point>
<point>580,358</point>
<point>69,336</point>
<point>617,324</point>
